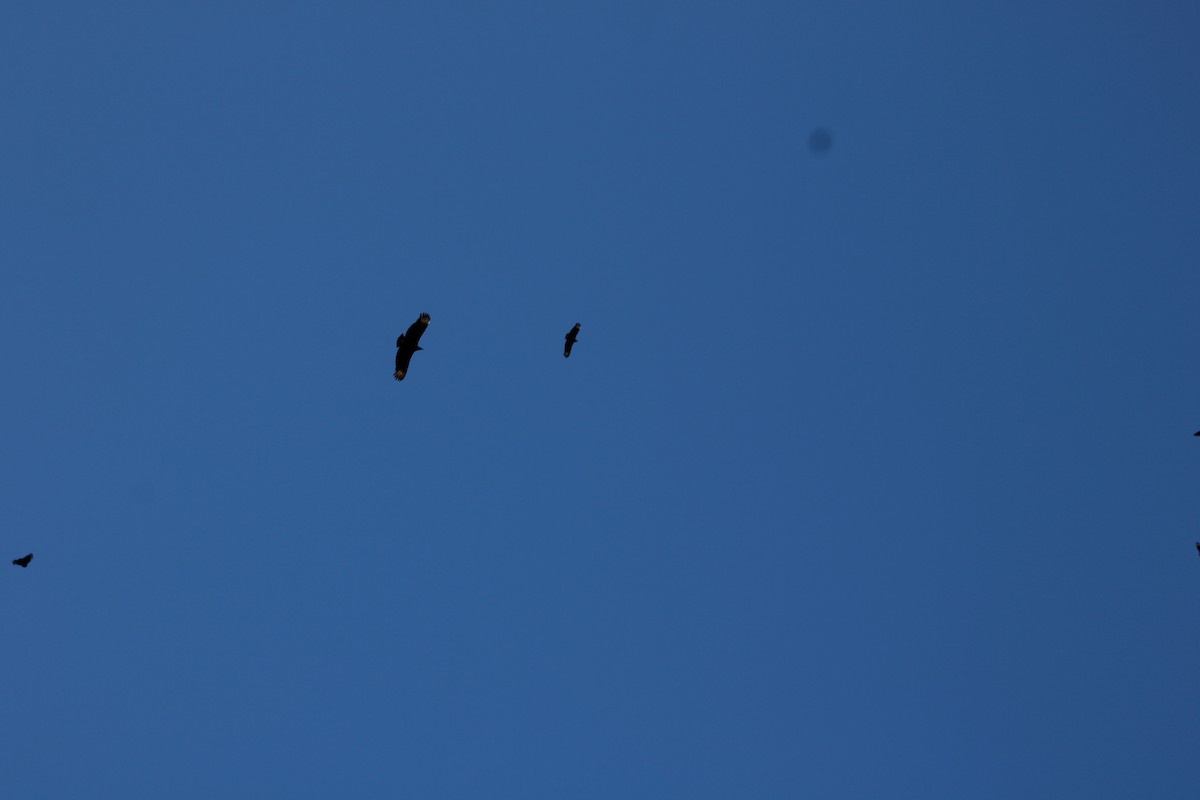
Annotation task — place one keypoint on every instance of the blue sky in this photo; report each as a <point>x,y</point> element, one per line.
<point>870,476</point>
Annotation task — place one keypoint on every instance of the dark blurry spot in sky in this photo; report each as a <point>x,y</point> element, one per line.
<point>820,141</point>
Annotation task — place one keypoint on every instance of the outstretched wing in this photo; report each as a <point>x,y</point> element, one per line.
<point>23,561</point>
<point>413,336</point>
<point>571,334</point>
<point>403,356</point>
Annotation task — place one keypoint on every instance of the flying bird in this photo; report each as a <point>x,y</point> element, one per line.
<point>23,561</point>
<point>1197,549</point>
<point>1197,433</point>
<point>407,344</point>
<point>571,334</point>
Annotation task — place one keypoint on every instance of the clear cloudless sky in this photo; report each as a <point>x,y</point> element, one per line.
<point>871,475</point>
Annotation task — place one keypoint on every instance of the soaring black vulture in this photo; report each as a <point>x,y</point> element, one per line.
<point>571,334</point>
<point>407,344</point>
<point>23,561</point>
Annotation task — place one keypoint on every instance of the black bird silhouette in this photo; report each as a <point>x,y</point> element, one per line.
<point>407,344</point>
<point>23,561</point>
<point>1197,549</point>
<point>1197,433</point>
<point>571,334</point>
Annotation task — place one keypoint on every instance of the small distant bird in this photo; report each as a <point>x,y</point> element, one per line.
<point>407,344</point>
<point>23,561</point>
<point>1197,433</point>
<point>1197,549</point>
<point>571,334</point>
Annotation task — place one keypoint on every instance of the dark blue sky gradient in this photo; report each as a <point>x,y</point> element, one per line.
<point>870,476</point>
